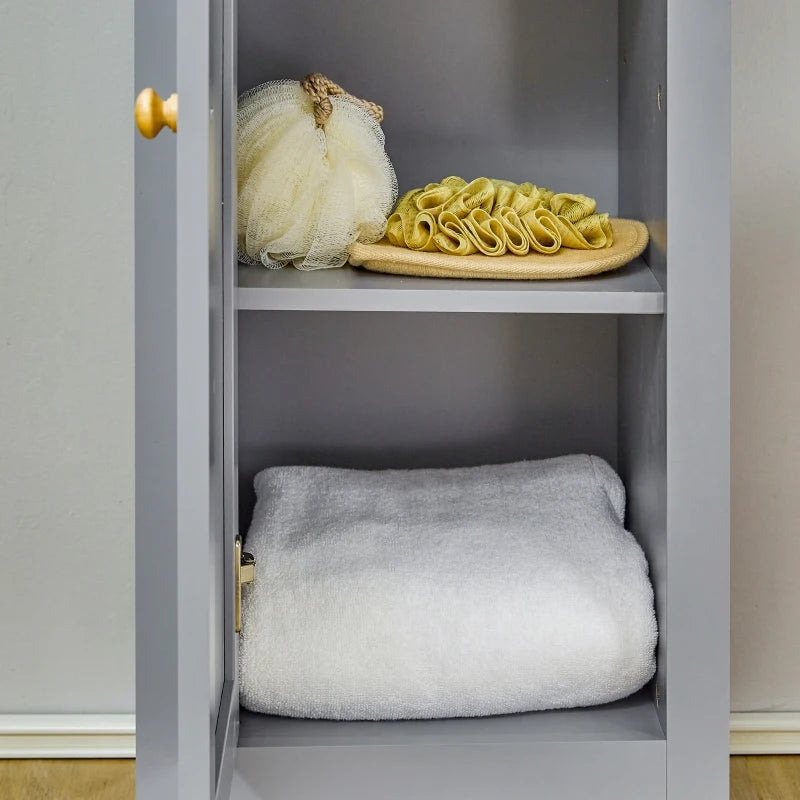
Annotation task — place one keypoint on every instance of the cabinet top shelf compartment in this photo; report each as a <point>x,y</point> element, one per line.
<point>633,289</point>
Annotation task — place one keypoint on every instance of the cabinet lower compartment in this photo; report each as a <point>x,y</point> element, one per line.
<point>368,391</point>
<point>613,752</point>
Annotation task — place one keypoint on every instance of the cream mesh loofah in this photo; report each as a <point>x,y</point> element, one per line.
<point>307,193</point>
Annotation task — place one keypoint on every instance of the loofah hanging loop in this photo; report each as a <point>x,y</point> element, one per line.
<point>318,87</point>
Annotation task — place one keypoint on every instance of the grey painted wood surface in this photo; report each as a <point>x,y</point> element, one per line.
<point>227,731</point>
<point>630,290</point>
<point>216,277</point>
<point>643,100</point>
<point>155,389</point>
<point>184,704</point>
<point>517,771</point>
<point>508,89</point>
<point>199,395</point>
<point>698,398</point>
<point>631,720</point>
<point>642,341</point>
<point>642,424</point>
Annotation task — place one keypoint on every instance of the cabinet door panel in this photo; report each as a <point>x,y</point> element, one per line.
<point>186,693</point>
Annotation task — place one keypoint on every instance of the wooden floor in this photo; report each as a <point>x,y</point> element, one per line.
<point>752,778</point>
<point>765,778</point>
<point>104,779</point>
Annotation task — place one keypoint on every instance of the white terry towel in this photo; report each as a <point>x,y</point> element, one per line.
<point>443,593</point>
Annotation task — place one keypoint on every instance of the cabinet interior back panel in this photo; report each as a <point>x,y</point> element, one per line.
<point>515,89</point>
<point>407,390</point>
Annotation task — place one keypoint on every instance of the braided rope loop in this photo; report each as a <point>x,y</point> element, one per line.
<point>318,88</point>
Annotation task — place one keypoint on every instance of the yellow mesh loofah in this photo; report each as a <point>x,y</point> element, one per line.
<point>495,218</point>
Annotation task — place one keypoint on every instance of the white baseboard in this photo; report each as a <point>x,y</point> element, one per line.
<point>114,735</point>
<point>67,736</point>
<point>769,733</point>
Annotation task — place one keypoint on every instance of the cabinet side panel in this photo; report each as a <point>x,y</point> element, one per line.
<point>643,122</point>
<point>643,459</point>
<point>642,342</point>
<point>231,328</point>
<point>156,510</point>
<point>227,732</point>
<point>200,386</point>
<point>698,398</point>
<point>216,347</point>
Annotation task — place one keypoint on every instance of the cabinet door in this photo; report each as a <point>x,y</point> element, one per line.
<point>186,705</point>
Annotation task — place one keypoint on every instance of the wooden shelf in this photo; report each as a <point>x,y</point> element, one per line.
<point>633,719</point>
<point>633,289</point>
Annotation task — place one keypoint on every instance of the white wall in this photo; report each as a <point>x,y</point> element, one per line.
<point>766,356</point>
<point>66,356</point>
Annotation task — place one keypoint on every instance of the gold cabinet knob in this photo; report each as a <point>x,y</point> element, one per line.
<point>152,113</point>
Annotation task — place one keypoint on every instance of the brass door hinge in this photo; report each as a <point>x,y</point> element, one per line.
<point>245,572</point>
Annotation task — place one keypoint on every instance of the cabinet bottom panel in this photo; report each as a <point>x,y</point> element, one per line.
<point>601,770</point>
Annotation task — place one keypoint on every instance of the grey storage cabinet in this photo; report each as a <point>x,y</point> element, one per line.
<point>239,368</point>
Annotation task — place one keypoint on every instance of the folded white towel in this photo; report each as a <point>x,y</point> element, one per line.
<point>443,593</point>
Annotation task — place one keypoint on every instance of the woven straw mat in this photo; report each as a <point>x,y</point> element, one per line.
<point>630,240</point>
